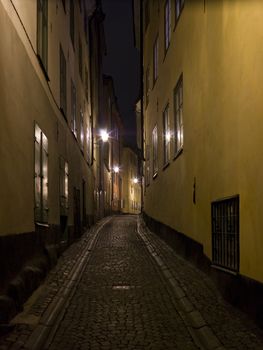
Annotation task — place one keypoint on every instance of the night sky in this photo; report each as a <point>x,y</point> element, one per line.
<point>122,60</point>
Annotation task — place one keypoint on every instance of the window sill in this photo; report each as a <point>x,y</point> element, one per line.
<point>155,175</point>
<point>42,224</point>
<point>166,50</point>
<point>224,269</point>
<point>166,165</point>
<point>43,68</point>
<point>63,113</point>
<point>178,153</point>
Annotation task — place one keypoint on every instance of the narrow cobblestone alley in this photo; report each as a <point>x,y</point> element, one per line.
<point>133,292</point>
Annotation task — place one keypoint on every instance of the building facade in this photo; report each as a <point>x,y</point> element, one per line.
<point>131,182</point>
<point>50,100</point>
<point>202,124</point>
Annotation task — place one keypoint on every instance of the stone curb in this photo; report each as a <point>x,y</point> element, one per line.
<point>49,321</point>
<point>201,332</point>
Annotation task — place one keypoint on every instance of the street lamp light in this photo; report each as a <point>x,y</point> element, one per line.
<point>135,180</point>
<point>104,135</point>
<point>116,169</point>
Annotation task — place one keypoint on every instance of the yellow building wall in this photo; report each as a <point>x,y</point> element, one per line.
<point>25,98</point>
<point>218,50</point>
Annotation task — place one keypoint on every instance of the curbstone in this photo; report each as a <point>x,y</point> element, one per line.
<point>208,338</point>
<point>196,319</point>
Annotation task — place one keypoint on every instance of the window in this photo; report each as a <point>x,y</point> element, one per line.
<point>64,5</point>
<point>42,32</point>
<point>155,59</point>
<point>71,21</point>
<point>147,166</point>
<point>86,84</point>
<point>41,176</point>
<point>63,186</point>
<point>80,58</point>
<point>178,8</point>
<point>147,85</point>
<point>155,150</point>
<point>63,83</point>
<point>89,141</point>
<point>81,130</point>
<point>166,136</point>
<point>167,24</point>
<point>73,109</point>
<point>178,116</point>
<point>225,233</point>
<point>146,14</point>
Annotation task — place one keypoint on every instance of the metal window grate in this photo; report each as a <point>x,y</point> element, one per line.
<point>225,233</point>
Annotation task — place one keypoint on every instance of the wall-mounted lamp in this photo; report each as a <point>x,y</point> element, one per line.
<point>135,180</point>
<point>116,169</point>
<point>104,135</point>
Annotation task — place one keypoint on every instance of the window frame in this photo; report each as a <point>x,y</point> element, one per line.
<point>166,141</point>
<point>167,25</point>
<point>178,117</point>
<point>225,228</point>
<point>63,81</point>
<point>155,151</point>
<point>155,58</point>
<point>40,176</point>
<point>42,34</point>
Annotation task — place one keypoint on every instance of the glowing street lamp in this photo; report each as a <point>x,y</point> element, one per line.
<point>104,135</point>
<point>135,180</point>
<point>116,169</point>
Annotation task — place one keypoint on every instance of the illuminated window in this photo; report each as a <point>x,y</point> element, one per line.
<point>89,141</point>
<point>63,83</point>
<point>63,186</point>
<point>41,176</point>
<point>73,109</point>
<point>166,136</point>
<point>178,8</point>
<point>155,150</point>
<point>155,59</point>
<point>81,130</point>
<point>178,116</point>
<point>147,166</point>
<point>42,32</point>
<point>86,84</point>
<point>167,24</point>
<point>72,21</point>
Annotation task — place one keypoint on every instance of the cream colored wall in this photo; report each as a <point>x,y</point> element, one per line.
<point>219,53</point>
<point>26,98</point>
<point>130,191</point>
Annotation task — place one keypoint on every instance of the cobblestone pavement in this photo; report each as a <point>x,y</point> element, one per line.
<point>126,297</point>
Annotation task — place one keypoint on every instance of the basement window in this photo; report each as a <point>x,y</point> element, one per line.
<point>225,233</point>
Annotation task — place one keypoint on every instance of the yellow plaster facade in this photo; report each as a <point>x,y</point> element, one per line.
<point>216,47</point>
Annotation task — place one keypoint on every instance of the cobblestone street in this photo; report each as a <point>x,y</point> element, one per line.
<point>121,287</point>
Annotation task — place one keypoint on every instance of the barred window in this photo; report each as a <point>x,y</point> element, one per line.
<point>225,233</point>
<point>167,24</point>
<point>166,136</point>
<point>178,116</point>
<point>155,150</point>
